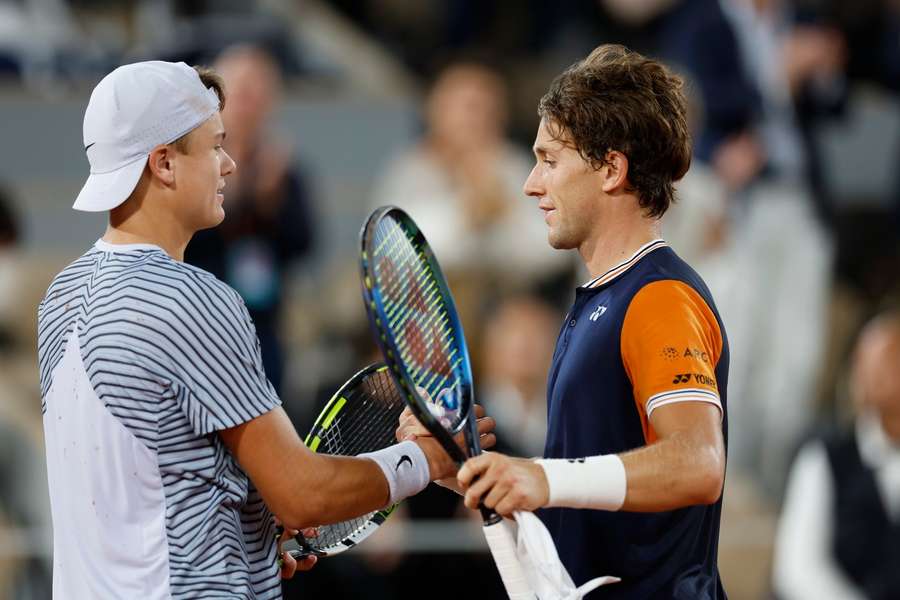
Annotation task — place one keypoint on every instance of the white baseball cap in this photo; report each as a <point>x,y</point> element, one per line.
<point>131,111</point>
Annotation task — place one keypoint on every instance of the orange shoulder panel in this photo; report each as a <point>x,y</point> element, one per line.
<point>670,345</point>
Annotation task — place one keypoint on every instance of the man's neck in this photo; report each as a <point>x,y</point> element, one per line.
<point>617,244</point>
<point>141,228</point>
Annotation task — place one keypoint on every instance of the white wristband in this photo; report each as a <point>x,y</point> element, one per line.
<point>596,482</point>
<point>404,466</point>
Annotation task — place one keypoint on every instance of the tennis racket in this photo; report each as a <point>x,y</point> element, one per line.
<point>416,325</point>
<point>361,417</point>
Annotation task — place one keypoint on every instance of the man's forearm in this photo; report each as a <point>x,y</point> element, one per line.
<point>330,491</point>
<point>682,470</point>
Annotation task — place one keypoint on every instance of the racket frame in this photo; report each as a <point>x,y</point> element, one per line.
<point>385,340</point>
<point>325,419</point>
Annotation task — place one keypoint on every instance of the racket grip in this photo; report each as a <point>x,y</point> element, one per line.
<point>502,544</point>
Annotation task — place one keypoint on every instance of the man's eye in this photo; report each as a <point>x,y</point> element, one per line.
<point>549,162</point>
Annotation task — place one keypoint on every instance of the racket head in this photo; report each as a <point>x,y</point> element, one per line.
<point>416,326</point>
<point>360,417</point>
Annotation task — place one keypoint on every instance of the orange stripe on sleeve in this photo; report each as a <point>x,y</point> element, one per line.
<point>670,345</point>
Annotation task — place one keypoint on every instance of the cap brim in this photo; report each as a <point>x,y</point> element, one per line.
<point>105,191</point>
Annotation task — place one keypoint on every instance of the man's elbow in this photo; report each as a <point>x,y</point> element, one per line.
<point>300,515</point>
<point>710,477</point>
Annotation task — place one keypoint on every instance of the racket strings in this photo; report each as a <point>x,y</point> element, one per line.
<point>415,308</point>
<point>367,423</point>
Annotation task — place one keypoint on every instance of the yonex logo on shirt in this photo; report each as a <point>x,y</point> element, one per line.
<point>698,377</point>
<point>597,312</point>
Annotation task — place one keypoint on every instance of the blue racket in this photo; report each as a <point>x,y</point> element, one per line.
<point>416,325</point>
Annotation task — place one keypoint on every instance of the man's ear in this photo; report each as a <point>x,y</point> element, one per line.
<point>615,171</point>
<point>162,165</point>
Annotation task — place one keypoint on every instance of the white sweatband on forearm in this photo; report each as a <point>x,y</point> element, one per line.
<point>596,482</point>
<point>404,466</point>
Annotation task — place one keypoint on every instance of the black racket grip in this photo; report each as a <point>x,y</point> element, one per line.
<point>472,441</point>
<point>305,553</point>
<point>488,516</point>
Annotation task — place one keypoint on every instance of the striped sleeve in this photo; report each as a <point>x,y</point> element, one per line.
<point>194,334</point>
<point>217,371</point>
<point>670,345</point>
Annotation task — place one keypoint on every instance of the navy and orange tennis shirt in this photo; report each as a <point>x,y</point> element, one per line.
<point>642,335</point>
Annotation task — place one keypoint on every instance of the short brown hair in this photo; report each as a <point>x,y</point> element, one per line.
<point>616,99</point>
<point>210,79</point>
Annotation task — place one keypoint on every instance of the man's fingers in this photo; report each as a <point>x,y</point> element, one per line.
<point>471,469</point>
<point>288,565</point>
<point>409,427</point>
<point>479,488</point>
<point>507,506</point>
<point>497,493</point>
<point>486,425</point>
<point>479,410</point>
<point>486,437</point>
<point>311,532</point>
<point>307,563</point>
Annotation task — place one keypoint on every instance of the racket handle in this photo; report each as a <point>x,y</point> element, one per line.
<point>502,544</point>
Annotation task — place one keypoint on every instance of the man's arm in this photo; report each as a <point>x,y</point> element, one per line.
<point>683,467</point>
<point>306,489</point>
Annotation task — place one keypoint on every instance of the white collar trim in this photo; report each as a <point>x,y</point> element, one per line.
<point>623,266</point>
<point>104,246</point>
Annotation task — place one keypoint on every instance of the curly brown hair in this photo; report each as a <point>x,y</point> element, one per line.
<point>616,99</point>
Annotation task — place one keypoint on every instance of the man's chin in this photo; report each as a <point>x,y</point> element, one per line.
<point>558,242</point>
<point>214,221</point>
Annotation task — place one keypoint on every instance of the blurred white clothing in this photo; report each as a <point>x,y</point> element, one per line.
<point>804,565</point>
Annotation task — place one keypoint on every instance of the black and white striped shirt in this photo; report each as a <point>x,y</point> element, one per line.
<point>142,360</point>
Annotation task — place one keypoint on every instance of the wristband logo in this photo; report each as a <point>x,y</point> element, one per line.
<point>403,459</point>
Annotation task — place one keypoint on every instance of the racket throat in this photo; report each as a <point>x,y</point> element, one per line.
<point>470,432</point>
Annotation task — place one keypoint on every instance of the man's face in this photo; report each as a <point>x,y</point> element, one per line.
<point>568,189</point>
<point>200,176</point>
<point>467,109</point>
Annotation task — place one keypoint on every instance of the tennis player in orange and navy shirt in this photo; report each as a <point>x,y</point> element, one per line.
<point>634,464</point>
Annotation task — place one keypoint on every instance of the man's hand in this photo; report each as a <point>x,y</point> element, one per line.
<point>503,483</point>
<point>411,429</point>
<point>440,465</point>
<point>289,565</point>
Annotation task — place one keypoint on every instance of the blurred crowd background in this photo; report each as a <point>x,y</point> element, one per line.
<point>791,212</point>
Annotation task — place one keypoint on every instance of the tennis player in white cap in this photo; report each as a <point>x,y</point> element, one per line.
<point>168,453</point>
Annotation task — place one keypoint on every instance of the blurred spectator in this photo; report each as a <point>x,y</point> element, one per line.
<point>195,32</point>
<point>518,346</point>
<point>24,514</point>
<point>849,112</point>
<point>462,182</point>
<point>39,40</point>
<point>268,222</point>
<point>839,535</point>
<point>10,237</point>
<point>695,37</point>
<point>776,309</point>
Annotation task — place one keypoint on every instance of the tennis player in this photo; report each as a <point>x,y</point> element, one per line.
<point>168,453</point>
<point>636,390</point>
